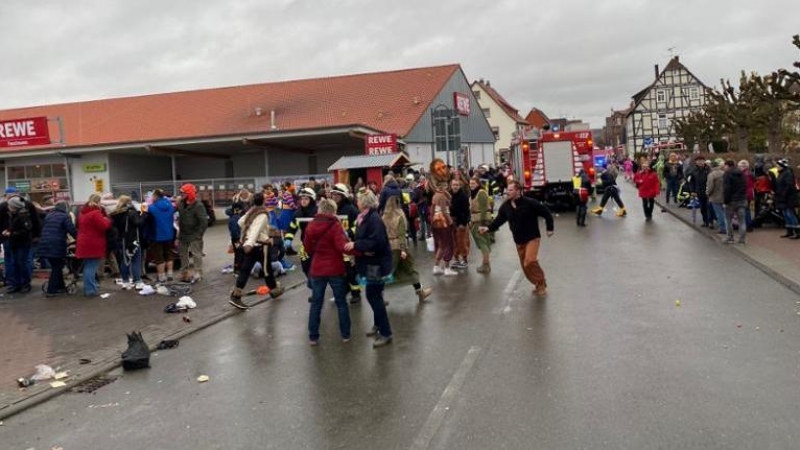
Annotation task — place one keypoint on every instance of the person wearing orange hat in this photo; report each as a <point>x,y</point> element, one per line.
<point>192,224</point>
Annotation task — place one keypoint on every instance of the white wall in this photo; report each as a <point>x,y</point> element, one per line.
<point>85,183</point>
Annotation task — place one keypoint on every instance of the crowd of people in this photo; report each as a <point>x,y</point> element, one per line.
<point>99,235</point>
<point>729,195</point>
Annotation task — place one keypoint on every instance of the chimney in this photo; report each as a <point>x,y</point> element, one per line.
<point>488,83</point>
<point>677,59</point>
<point>656,71</point>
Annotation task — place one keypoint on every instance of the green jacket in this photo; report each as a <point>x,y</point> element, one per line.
<point>192,220</point>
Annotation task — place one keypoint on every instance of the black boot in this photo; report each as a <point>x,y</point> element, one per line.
<point>789,233</point>
<point>796,233</point>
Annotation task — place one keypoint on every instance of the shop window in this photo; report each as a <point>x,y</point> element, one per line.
<point>59,170</point>
<point>16,172</point>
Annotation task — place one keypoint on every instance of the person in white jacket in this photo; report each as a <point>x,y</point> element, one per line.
<point>255,242</point>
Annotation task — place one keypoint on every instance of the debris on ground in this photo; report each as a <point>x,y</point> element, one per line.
<point>677,303</point>
<point>57,384</point>
<point>147,290</point>
<point>187,319</point>
<point>167,344</point>
<point>104,296</point>
<point>202,378</point>
<point>61,375</point>
<point>186,302</point>
<point>137,355</point>
<point>25,382</point>
<point>84,361</point>
<point>43,372</point>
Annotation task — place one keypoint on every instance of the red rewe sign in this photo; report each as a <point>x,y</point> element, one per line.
<point>381,144</point>
<point>461,103</point>
<point>24,132</point>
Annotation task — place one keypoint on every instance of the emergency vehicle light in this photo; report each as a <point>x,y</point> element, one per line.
<point>527,174</point>
<point>556,136</point>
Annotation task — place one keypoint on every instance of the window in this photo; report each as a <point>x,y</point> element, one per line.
<point>694,93</point>
<point>661,96</point>
<point>477,94</point>
<point>663,124</point>
<point>487,112</point>
<point>496,132</point>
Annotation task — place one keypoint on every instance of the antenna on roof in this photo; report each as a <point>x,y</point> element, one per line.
<point>671,51</point>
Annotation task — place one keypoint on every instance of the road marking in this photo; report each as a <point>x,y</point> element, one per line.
<point>436,417</point>
<point>512,283</point>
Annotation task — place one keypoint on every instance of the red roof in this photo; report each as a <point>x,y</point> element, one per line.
<point>388,101</point>
<point>510,110</point>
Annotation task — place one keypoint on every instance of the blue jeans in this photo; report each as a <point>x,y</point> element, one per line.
<point>672,189</point>
<point>339,288</point>
<point>130,269</point>
<point>375,299</point>
<point>22,263</point>
<point>8,262</point>
<point>90,266</point>
<point>719,213</point>
<point>790,217</point>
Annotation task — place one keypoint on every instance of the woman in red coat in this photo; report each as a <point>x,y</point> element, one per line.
<point>649,187</point>
<point>324,242</point>
<point>91,246</point>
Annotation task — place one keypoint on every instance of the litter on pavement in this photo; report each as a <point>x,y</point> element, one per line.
<point>43,372</point>
<point>202,378</point>
<point>186,302</point>
<point>168,344</point>
<point>147,290</point>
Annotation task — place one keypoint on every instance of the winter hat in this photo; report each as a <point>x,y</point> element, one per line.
<point>190,191</point>
<point>11,190</point>
<point>783,162</point>
<point>16,203</point>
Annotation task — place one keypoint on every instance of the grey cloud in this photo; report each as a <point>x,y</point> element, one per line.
<point>578,58</point>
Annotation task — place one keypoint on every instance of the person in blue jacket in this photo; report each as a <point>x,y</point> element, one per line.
<point>162,237</point>
<point>53,245</point>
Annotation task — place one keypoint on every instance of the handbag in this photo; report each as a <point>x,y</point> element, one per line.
<point>430,244</point>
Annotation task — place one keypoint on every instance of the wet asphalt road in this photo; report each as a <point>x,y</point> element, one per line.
<point>607,361</point>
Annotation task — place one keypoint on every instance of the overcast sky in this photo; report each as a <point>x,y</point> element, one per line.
<point>571,58</point>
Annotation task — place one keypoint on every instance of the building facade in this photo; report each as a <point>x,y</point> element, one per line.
<point>225,139</point>
<point>674,94</point>
<point>504,119</point>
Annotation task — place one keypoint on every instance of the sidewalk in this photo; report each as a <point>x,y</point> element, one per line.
<point>61,331</point>
<point>778,258</point>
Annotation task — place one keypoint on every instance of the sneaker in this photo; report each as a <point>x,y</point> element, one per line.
<point>25,289</point>
<point>448,272</point>
<point>459,265</point>
<point>126,286</point>
<point>345,340</point>
<point>598,210</point>
<point>729,241</point>
<point>119,281</point>
<point>424,293</point>
<point>372,332</point>
<point>277,292</point>
<point>437,270</point>
<point>237,302</point>
<point>139,286</point>
<point>380,341</point>
<point>622,213</point>
<point>313,343</point>
<point>484,268</point>
<point>540,291</point>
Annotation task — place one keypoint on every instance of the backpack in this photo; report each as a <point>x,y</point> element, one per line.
<point>21,224</point>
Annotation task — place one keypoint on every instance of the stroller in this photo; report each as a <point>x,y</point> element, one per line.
<point>74,269</point>
<point>768,212</point>
<point>684,197</point>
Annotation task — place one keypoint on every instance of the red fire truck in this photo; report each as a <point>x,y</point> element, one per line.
<point>547,165</point>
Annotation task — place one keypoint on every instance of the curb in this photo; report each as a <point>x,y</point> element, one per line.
<point>792,285</point>
<point>46,394</point>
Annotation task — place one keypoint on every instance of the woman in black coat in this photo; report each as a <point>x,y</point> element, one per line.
<point>128,222</point>
<point>373,262</point>
<point>786,198</point>
<point>53,245</point>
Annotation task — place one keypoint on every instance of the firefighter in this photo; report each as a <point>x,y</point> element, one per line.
<point>303,215</point>
<point>345,207</point>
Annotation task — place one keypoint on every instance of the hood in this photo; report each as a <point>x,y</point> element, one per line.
<point>190,192</point>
